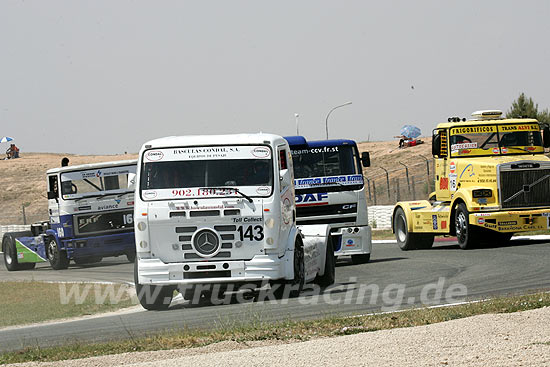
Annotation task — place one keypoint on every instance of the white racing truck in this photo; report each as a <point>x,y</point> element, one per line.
<point>219,211</point>
<point>330,190</point>
<point>91,217</point>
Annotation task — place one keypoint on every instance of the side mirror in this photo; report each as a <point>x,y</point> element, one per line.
<point>52,195</point>
<point>131,181</point>
<point>546,136</point>
<point>436,145</point>
<point>284,178</point>
<point>365,159</point>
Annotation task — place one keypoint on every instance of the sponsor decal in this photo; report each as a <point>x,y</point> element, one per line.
<point>320,198</point>
<point>469,170</point>
<point>434,221</point>
<point>263,190</point>
<point>495,150</point>
<point>522,127</point>
<point>20,255</point>
<point>314,150</point>
<point>154,155</point>
<point>452,182</point>
<point>247,220</point>
<point>481,221</point>
<point>482,201</point>
<point>508,223</point>
<point>107,207</point>
<point>443,183</point>
<point>129,203</point>
<point>117,201</point>
<point>328,181</point>
<point>482,214</point>
<point>443,224</point>
<point>473,130</point>
<point>504,150</point>
<point>456,147</point>
<point>86,207</point>
<point>452,167</point>
<point>350,243</point>
<point>150,194</point>
<point>261,152</point>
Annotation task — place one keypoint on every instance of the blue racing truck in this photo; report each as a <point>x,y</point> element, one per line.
<point>91,217</point>
<point>328,177</point>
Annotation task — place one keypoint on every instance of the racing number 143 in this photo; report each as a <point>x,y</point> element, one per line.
<point>252,233</point>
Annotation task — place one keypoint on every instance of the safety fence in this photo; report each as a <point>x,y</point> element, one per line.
<point>402,181</point>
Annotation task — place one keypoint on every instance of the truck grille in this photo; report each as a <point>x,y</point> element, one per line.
<point>320,210</point>
<point>525,188</point>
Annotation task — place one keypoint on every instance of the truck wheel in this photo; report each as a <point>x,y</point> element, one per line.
<point>153,297</point>
<point>131,256</point>
<point>58,258</point>
<point>466,234</point>
<point>10,252</point>
<point>406,240</point>
<point>329,275</point>
<point>360,259</point>
<point>297,284</point>
<point>87,260</point>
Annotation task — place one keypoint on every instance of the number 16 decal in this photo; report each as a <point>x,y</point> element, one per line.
<point>252,233</point>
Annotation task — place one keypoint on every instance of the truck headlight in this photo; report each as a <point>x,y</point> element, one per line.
<point>482,193</point>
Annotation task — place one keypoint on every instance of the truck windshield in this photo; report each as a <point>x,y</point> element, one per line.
<point>185,175</point>
<point>96,182</point>
<point>326,166</point>
<point>490,140</point>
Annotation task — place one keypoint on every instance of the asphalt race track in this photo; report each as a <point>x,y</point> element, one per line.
<point>520,266</point>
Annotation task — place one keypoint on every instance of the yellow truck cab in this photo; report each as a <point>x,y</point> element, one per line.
<point>492,180</point>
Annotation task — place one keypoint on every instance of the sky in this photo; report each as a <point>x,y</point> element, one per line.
<point>103,76</point>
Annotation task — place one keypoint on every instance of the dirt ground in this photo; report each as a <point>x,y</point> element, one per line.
<point>514,339</point>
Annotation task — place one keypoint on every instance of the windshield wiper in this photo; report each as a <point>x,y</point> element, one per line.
<point>230,188</point>
<point>525,150</point>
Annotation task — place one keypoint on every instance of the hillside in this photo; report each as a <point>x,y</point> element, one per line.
<point>23,180</point>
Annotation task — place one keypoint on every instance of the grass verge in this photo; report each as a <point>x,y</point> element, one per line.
<point>284,330</point>
<point>28,302</point>
<point>383,234</point>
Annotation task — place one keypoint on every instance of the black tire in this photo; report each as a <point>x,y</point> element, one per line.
<point>153,297</point>
<point>466,234</point>
<point>360,259</point>
<point>87,260</point>
<point>297,284</point>
<point>10,251</point>
<point>131,256</point>
<point>406,240</point>
<point>58,258</point>
<point>329,275</point>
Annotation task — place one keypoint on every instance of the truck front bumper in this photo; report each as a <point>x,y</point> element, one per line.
<point>259,269</point>
<point>352,240</point>
<point>513,220</point>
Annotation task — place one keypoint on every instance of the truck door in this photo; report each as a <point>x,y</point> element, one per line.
<point>442,165</point>
<point>286,190</point>
<point>53,196</point>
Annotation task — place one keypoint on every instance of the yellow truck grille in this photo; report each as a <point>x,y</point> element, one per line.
<point>525,188</point>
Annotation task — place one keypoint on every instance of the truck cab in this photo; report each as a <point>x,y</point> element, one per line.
<point>90,217</point>
<point>330,190</point>
<point>219,210</point>
<point>492,180</point>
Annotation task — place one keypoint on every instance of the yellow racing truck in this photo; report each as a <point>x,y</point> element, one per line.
<point>492,180</point>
